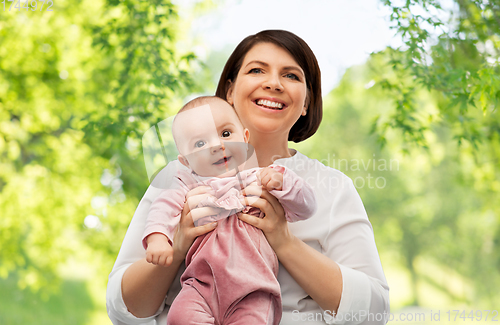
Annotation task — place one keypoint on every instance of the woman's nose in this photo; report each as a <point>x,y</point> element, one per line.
<point>273,83</point>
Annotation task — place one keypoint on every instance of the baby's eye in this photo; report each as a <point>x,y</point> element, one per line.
<point>225,133</point>
<point>292,76</point>
<point>199,144</point>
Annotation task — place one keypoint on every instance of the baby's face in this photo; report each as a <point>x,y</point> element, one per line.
<point>211,140</point>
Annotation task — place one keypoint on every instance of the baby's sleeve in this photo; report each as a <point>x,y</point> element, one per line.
<point>164,214</point>
<point>296,196</point>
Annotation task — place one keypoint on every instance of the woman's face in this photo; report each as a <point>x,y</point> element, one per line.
<point>269,93</point>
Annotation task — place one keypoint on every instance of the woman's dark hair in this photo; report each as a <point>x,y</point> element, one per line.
<point>307,125</point>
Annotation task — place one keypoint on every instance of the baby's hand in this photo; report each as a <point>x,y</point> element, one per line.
<point>159,251</point>
<point>270,179</point>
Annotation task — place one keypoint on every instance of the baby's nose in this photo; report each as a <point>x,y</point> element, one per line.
<point>217,146</point>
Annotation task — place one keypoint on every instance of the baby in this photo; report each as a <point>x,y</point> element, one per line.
<point>230,274</point>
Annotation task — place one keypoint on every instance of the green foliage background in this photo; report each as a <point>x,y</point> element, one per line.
<point>416,128</point>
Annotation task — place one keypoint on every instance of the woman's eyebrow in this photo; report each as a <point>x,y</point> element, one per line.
<point>296,68</point>
<point>258,62</point>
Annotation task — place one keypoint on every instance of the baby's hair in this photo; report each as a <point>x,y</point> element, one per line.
<point>204,100</point>
<point>201,101</point>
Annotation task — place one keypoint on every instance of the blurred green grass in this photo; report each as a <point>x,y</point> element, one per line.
<point>73,304</point>
<point>82,301</point>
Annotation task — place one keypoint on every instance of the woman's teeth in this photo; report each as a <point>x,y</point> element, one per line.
<point>269,104</point>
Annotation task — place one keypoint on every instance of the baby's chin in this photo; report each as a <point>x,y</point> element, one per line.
<point>231,172</point>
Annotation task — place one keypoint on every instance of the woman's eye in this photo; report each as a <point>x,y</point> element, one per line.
<point>255,70</point>
<point>199,144</point>
<point>292,76</point>
<point>225,133</point>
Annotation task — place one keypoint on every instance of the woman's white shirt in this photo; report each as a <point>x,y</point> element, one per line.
<point>340,229</point>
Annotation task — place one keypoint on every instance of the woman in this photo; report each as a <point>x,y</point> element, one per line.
<point>329,263</point>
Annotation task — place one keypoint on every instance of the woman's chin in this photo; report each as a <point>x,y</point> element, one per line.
<point>270,128</point>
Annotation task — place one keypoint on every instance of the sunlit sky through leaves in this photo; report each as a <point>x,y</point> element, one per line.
<point>342,33</point>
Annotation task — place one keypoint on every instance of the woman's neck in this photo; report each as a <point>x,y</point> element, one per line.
<point>269,147</point>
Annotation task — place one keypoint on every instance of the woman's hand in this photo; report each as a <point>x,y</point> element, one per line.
<point>274,224</point>
<point>186,232</point>
<point>300,260</point>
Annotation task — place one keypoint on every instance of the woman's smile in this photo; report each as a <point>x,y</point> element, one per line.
<point>270,104</point>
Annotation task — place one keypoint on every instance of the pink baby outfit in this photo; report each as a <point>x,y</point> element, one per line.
<point>230,275</point>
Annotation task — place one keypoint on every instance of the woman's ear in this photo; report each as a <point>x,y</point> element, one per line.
<point>183,160</point>
<point>229,93</point>
<point>306,103</point>
<point>304,111</point>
